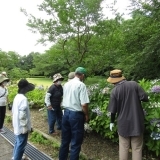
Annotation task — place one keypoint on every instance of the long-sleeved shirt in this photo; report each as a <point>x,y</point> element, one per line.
<point>125,101</point>
<point>21,115</point>
<point>4,94</point>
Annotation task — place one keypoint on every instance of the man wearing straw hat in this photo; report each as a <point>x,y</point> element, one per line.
<point>125,101</point>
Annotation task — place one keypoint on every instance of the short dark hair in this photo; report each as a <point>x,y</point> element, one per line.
<point>78,73</point>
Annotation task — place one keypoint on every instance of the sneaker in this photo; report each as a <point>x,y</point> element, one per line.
<point>25,157</point>
<point>2,131</point>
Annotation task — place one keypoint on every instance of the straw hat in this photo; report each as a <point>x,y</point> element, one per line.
<point>115,76</point>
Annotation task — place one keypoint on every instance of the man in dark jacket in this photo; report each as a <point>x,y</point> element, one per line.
<point>125,101</point>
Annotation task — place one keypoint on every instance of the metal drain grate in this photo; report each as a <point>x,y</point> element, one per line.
<point>30,151</point>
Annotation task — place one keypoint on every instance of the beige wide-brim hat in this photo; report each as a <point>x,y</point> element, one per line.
<point>3,78</point>
<point>57,77</point>
<point>115,76</point>
<point>4,73</point>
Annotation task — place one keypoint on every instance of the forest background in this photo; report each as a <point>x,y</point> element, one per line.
<point>81,36</point>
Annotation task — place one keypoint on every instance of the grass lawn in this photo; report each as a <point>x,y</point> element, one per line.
<point>46,82</point>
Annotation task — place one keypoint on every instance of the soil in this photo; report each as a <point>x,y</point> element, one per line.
<point>94,146</point>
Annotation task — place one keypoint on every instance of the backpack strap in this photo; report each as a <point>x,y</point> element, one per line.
<point>3,93</point>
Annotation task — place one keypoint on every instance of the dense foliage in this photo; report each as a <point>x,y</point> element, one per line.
<point>100,118</point>
<point>82,36</point>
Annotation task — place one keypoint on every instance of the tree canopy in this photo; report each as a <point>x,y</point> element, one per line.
<point>82,37</point>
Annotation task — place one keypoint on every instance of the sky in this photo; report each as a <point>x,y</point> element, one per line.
<point>15,35</point>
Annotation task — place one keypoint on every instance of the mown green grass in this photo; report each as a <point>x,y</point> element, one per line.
<point>46,82</point>
<point>94,80</point>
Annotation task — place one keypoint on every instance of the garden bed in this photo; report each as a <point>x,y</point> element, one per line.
<point>94,146</point>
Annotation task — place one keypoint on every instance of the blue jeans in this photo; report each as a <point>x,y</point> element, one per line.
<point>72,132</point>
<point>54,116</point>
<point>19,146</point>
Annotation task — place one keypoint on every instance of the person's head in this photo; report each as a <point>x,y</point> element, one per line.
<point>115,76</point>
<point>57,79</point>
<point>24,86</point>
<point>4,73</point>
<point>3,80</point>
<point>80,72</point>
<point>71,75</point>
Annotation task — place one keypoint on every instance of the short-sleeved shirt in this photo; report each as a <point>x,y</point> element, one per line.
<point>125,100</point>
<point>74,95</point>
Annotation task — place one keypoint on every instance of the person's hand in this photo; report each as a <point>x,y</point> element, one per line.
<point>86,118</point>
<point>49,107</point>
<point>111,126</point>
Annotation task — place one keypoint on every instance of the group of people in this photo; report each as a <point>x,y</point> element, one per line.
<point>73,97</point>
<point>124,104</point>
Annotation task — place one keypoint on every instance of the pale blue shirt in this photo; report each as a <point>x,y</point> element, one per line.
<point>74,95</point>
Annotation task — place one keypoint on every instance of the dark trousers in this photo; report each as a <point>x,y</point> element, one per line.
<point>72,132</point>
<point>54,116</point>
<point>2,115</point>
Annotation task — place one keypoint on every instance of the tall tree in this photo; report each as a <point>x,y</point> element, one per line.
<point>68,21</point>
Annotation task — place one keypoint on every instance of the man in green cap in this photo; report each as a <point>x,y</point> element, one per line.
<point>75,104</point>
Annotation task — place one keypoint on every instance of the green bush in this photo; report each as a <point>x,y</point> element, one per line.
<point>38,138</point>
<point>99,98</point>
<point>35,97</point>
<point>8,119</point>
<point>100,123</point>
<point>152,110</point>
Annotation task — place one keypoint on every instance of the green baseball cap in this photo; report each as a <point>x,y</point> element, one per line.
<point>80,70</point>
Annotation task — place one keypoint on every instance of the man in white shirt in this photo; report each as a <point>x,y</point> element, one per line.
<point>75,104</point>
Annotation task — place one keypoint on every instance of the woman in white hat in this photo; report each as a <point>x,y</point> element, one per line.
<point>3,100</point>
